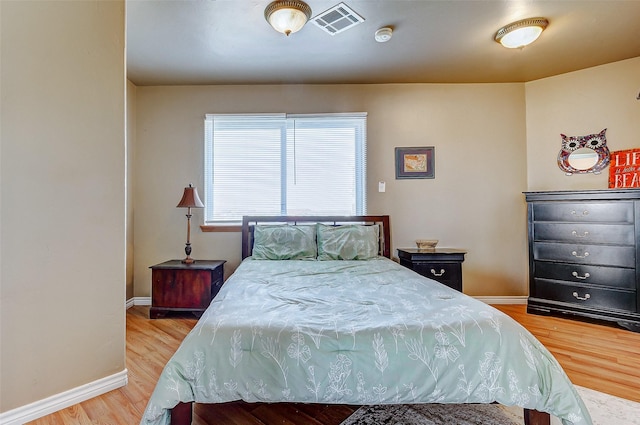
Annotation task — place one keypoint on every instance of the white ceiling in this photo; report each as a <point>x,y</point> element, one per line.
<point>190,42</point>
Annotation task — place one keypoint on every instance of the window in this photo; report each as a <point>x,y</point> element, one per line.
<point>284,165</point>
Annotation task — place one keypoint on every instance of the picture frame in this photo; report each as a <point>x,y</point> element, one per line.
<point>415,163</point>
<point>624,171</point>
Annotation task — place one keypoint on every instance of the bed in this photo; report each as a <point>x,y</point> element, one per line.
<point>317,312</point>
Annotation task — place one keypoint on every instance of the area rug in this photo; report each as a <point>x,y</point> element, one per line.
<point>604,409</point>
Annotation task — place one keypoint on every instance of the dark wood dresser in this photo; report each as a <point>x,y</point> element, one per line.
<point>583,254</point>
<point>185,288</point>
<point>440,264</point>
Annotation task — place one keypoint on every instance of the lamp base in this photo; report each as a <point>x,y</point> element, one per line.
<point>187,250</point>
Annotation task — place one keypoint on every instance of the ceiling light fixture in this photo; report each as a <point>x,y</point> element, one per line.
<point>287,16</point>
<point>521,33</point>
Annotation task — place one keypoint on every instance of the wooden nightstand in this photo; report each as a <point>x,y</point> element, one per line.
<point>179,287</point>
<point>441,264</point>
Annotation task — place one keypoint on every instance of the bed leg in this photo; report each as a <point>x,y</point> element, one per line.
<point>533,417</point>
<point>182,414</point>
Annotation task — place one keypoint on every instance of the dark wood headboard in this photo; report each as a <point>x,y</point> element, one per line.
<point>249,222</point>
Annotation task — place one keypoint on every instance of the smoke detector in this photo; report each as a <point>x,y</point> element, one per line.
<point>383,34</point>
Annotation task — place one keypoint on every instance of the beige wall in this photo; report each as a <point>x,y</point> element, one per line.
<point>475,202</point>
<point>580,103</point>
<point>62,210</point>
<point>493,141</point>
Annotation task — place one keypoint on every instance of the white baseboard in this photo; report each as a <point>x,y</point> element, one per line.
<point>63,400</point>
<point>516,299</point>
<point>138,301</point>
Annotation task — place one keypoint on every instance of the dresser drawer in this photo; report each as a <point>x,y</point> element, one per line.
<point>593,275</point>
<point>618,212</point>
<point>617,234</point>
<point>585,296</point>
<point>610,255</point>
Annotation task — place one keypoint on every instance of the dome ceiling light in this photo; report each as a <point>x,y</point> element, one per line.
<point>287,16</point>
<point>521,33</point>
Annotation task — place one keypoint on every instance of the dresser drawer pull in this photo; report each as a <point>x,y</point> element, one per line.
<point>584,235</point>
<point>585,212</point>
<point>575,254</point>
<point>435,273</point>
<point>575,274</point>
<point>586,296</point>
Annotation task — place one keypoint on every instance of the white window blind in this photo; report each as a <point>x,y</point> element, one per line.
<point>284,165</point>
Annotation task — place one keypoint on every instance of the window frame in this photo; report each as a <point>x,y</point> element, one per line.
<point>360,160</point>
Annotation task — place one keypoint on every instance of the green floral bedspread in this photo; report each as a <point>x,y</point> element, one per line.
<point>357,332</point>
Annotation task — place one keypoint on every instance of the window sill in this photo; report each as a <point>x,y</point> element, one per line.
<point>221,228</point>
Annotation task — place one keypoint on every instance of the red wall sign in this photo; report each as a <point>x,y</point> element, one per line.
<point>624,169</point>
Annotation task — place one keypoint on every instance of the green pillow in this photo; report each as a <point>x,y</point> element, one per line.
<point>348,242</point>
<point>284,242</point>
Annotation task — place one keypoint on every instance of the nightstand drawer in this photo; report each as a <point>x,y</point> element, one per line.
<point>184,288</point>
<point>614,277</point>
<point>619,212</point>
<point>217,279</point>
<point>441,265</point>
<point>586,296</point>
<point>181,288</point>
<point>610,255</point>
<point>442,272</point>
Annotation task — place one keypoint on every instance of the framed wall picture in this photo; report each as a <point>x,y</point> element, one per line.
<point>624,169</point>
<point>415,163</point>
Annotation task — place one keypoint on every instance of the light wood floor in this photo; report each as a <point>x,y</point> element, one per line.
<point>600,357</point>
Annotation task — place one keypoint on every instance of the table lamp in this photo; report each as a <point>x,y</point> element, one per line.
<point>189,200</point>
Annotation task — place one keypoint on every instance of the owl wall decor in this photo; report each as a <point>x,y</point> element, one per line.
<point>584,154</point>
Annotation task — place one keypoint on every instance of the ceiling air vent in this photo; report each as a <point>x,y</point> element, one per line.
<point>337,19</point>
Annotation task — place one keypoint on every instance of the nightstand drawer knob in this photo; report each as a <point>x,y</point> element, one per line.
<point>586,296</point>
<point>435,273</point>
<point>575,254</point>
<point>583,235</point>
<point>577,276</point>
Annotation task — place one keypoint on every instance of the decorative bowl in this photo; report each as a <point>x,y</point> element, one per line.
<point>426,243</point>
